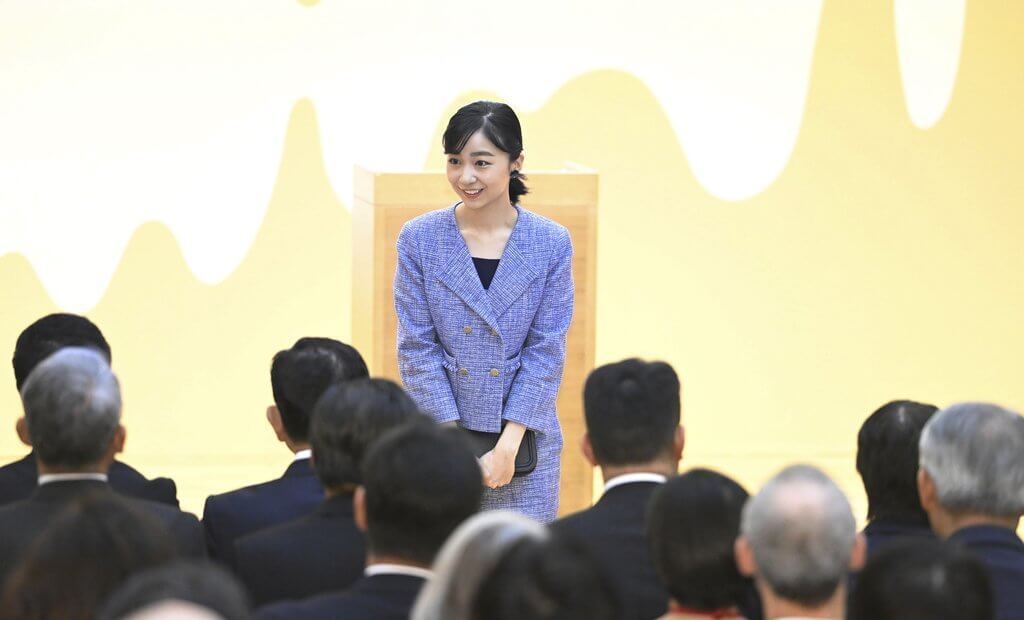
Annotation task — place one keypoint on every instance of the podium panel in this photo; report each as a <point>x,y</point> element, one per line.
<point>384,201</point>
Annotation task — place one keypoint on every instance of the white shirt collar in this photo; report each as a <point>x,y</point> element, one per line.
<point>637,477</point>
<point>48,478</point>
<point>302,454</point>
<point>397,569</point>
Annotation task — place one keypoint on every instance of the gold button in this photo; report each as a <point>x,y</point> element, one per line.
<point>467,329</point>
<point>494,372</point>
<point>463,372</point>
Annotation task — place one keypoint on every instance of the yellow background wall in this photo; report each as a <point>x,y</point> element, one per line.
<point>884,262</point>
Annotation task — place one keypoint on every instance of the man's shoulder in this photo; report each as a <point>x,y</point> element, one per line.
<point>322,606</point>
<point>259,494</point>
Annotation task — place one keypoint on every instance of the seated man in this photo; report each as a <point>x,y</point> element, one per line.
<point>325,551</point>
<point>971,482</point>
<point>887,463</point>
<point>36,343</point>
<point>798,539</point>
<point>72,407</point>
<point>633,434</point>
<point>298,376</point>
<point>419,483</point>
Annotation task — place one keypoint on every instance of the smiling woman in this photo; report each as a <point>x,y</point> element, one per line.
<point>484,297</point>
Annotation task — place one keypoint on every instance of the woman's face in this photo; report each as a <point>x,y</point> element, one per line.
<point>481,172</point>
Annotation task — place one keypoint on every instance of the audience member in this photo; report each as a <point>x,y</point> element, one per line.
<point>177,590</point>
<point>419,483</point>
<point>83,556</point>
<point>72,405</point>
<point>325,551</point>
<point>692,528</point>
<point>40,340</point>
<point>922,580</point>
<point>798,540</point>
<point>887,459</point>
<point>633,434</point>
<point>971,482</point>
<point>298,377</point>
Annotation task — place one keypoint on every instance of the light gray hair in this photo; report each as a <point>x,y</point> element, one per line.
<point>72,404</point>
<point>974,452</point>
<point>801,530</point>
<point>467,558</point>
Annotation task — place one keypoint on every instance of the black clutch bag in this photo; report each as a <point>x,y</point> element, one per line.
<point>526,459</point>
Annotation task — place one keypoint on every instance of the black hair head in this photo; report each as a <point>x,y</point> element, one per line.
<point>499,124</point>
<point>201,583</point>
<point>50,333</point>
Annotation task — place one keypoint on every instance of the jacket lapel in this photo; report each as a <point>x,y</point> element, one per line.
<point>459,274</point>
<point>513,277</point>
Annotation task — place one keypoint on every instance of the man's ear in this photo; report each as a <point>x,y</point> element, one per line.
<point>860,553</point>
<point>359,508</point>
<point>21,426</point>
<point>744,557</point>
<point>120,437</point>
<point>925,490</point>
<point>274,418</point>
<point>678,443</point>
<point>588,449</point>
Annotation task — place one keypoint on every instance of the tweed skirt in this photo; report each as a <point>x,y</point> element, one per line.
<point>535,494</point>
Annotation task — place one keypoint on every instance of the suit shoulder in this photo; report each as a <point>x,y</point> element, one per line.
<point>425,223</point>
<point>575,523</point>
<point>545,227</point>
<point>246,495</point>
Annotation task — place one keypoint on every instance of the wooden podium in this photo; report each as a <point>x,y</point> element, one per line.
<point>384,201</point>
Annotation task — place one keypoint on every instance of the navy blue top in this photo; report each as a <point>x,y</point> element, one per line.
<point>485,268</point>
<point>1003,552</point>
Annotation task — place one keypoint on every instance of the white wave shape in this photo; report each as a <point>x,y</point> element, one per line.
<point>115,113</point>
<point>930,34</point>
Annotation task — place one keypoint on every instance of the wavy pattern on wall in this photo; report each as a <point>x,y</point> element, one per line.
<point>884,262</point>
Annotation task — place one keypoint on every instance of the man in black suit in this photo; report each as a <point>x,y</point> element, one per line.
<point>420,482</point>
<point>971,482</point>
<point>298,377</point>
<point>37,342</point>
<point>633,434</point>
<point>72,407</point>
<point>325,551</point>
<point>887,463</point>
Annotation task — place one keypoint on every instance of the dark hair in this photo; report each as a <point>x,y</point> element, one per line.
<point>50,333</point>
<point>692,526</point>
<point>500,125</point>
<point>632,411</point>
<point>301,374</point>
<point>83,556</point>
<point>547,580</point>
<point>348,418</point>
<point>923,580</point>
<point>887,459</point>
<point>199,582</point>
<point>421,481</point>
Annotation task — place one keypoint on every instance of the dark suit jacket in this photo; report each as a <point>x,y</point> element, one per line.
<point>881,533</point>
<point>318,553</point>
<point>22,522</point>
<point>18,481</point>
<point>614,530</point>
<point>229,516</point>
<point>381,597</point>
<point>1003,552</point>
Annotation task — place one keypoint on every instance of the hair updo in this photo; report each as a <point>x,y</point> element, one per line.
<point>500,125</point>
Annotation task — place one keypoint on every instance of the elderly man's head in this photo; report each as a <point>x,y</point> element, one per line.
<point>72,404</point>
<point>972,466</point>
<point>799,538</point>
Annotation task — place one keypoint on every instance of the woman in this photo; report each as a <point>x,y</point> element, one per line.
<point>484,297</point>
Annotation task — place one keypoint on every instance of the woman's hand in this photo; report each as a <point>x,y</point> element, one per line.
<point>499,465</point>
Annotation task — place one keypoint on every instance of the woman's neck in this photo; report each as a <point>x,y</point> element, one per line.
<point>492,217</point>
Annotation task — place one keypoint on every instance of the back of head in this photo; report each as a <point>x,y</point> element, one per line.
<point>550,579</point>
<point>51,333</point>
<point>632,411</point>
<point>467,557</point>
<point>923,580</point>
<point>84,555</point>
<point>974,453</point>
<point>692,526</point>
<point>72,404</point>
<point>421,482</point>
<point>348,419</point>
<point>301,374</point>
<point>887,459</point>
<point>801,531</point>
<point>201,583</point>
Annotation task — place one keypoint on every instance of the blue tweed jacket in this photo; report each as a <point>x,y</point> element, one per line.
<point>483,356</point>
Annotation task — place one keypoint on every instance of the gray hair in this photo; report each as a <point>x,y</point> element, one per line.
<point>467,558</point>
<point>72,404</point>
<point>974,452</point>
<point>801,530</point>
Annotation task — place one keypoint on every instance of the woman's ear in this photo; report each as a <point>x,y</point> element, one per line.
<point>517,163</point>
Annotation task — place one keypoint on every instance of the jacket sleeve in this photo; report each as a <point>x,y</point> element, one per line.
<point>531,399</point>
<point>420,357</point>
